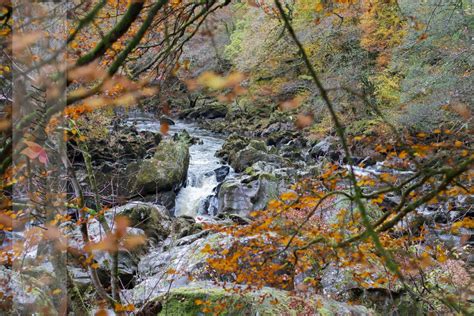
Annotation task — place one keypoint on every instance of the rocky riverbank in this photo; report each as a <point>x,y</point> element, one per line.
<point>139,174</point>
<point>252,173</point>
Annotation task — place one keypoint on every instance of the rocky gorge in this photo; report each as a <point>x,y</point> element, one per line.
<point>171,186</point>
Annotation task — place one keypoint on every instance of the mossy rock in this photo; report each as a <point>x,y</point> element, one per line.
<point>233,144</point>
<point>256,151</point>
<point>204,300</point>
<point>258,145</point>
<point>167,170</point>
<point>154,220</point>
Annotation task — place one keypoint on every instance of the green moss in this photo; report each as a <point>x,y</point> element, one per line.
<point>167,169</point>
<point>264,302</point>
<point>183,302</point>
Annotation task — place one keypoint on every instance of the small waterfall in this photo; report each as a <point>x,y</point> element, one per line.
<point>201,176</point>
<point>195,196</point>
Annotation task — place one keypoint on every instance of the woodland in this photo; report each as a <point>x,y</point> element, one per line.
<point>236,157</point>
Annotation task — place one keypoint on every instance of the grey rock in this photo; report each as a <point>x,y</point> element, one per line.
<point>241,198</point>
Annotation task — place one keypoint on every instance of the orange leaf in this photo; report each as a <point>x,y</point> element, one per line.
<point>164,128</point>
<point>35,151</point>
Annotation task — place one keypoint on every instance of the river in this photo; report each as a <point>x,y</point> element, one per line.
<point>201,179</point>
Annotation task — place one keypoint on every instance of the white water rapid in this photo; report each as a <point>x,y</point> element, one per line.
<point>201,177</point>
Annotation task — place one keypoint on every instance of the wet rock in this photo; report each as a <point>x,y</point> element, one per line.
<point>221,173</point>
<point>277,134</point>
<point>339,281</point>
<point>166,171</point>
<point>184,136</point>
<point>293,149</point>
<point>184,226</point>
<point>326,148</point>
<point>239,219</point>
<point>254,152</point>
<point>115,180</point>
<point>155,274</point>
<point>209,205</point>
<point>167,199</point>
<point>166,120</point>
<point>140,214</point>
<point>122,144</point>
<point>243,197</point>
<point>214,110</point>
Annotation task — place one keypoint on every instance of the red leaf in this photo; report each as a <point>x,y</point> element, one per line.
<point>34,151</point>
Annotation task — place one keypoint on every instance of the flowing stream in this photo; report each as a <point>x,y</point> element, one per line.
<point>201,177</point>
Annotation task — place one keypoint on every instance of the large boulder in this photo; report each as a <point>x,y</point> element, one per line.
<point>244,196</point>
<point>154,220</point>
<point>255,151</point>
<point>120,144</point>
<point>177,264</point>
<point>146,220</point>
<point>210,110</point>
<point>194,299</point>
<point>167,170</point>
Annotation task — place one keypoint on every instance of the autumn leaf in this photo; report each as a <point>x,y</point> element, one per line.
<point>403,155</point>
<point>186,64</point>
<point>291,104</point>
<point>422,37</point>
<point>56,292</point>
<point>101,312</point>
<point>303,121</point>
<point>198,302</point>
<point>132,241</point>
<point>289,196</point>
<point>319,7</point>
<point>35,151</point>
<point>164,128</point>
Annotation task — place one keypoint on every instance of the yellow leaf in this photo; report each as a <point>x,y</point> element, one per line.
<point>403,155</point>
<point>57,291</point>
<point>289,196</point>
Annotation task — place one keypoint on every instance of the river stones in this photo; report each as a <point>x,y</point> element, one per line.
<point>328,147</point>
<point>266,301</point>
<point>232,145</point>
